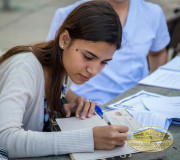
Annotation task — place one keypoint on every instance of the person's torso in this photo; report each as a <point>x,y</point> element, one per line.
<point>129,64</point>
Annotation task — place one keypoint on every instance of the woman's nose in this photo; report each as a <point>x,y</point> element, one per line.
<point>93,68</point>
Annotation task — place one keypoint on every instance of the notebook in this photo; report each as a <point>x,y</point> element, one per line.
<point>116,117</point>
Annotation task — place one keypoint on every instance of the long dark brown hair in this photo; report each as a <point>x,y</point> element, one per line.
<point>91,21</point>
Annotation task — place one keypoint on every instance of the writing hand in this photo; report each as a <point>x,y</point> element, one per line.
<point>107,137</point>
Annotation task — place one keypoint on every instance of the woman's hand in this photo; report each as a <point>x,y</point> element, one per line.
<point>107,137</point>
<point>81,107</point>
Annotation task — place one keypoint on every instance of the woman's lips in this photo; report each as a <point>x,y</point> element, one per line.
<point>84,78</point>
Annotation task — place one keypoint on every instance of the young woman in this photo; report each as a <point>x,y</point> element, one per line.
<point>32,78</point>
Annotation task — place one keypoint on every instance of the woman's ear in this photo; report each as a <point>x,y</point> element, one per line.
<point>64,39</point>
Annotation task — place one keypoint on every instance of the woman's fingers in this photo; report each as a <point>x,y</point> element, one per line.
<point>91,109</point>
<point>119,134</point>
<point>80,104</point>
<point>67,108</point>
<point>88,109</point>
<point>121,129</point>
<point>110,136</point>
<point>85,108</point>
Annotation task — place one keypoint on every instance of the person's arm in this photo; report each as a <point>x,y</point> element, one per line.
<point>156,59</point>
<point>158,55</point>
<point>71,96</point>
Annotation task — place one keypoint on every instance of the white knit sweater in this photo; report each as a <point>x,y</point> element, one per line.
<point>22,112</point>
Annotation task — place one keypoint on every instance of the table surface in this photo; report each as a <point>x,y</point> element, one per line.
<point>171,153</point>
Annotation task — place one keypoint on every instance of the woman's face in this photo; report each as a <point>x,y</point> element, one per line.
<point>84,59</point>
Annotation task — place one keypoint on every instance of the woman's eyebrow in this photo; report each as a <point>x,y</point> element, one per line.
<point>89,52</point>
<point>92,54</point>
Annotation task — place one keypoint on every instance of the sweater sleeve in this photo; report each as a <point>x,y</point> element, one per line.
<point>18,90</point>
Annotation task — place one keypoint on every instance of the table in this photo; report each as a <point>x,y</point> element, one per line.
<point>171,153</point>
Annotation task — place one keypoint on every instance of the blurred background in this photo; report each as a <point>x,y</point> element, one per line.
<point>28,21</point>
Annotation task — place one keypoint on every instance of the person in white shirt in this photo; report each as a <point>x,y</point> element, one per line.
<point>145,36</point>
<point>31,82</point>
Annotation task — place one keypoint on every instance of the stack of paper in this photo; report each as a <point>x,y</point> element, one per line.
<point>173,64</point>
<point>151,109</point>
<point>166,106</point>
<point>167,76</point>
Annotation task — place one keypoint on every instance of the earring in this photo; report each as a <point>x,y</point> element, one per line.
<point>62,46</point>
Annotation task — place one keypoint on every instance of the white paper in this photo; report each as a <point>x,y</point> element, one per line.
<point>166,106</point>
<point>133,102</point>
<point>174,64</point>
<point>151,119</point>
<point>136,106</point>
<point>73,123</point>
<point>166,76</point>
<point>123,117</point>
<point>163,78</point>
<point>101,154</point>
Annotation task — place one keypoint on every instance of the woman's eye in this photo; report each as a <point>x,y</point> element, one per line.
<point>104,62</point>
<point>88,58</point>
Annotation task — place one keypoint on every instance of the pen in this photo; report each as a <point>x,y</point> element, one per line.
<point>100,113</point>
